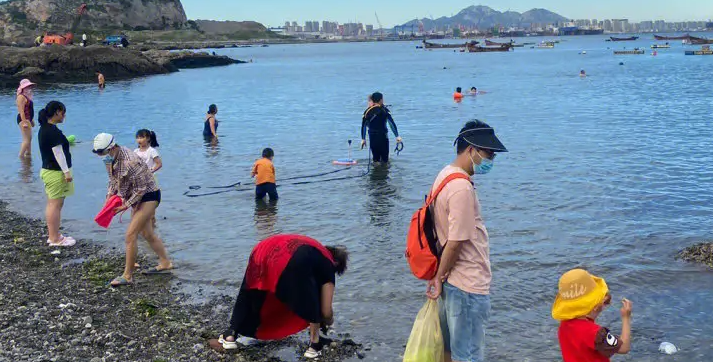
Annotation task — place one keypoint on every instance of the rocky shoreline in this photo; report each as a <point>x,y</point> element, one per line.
<point>58,307</point>
<point>73,64</point>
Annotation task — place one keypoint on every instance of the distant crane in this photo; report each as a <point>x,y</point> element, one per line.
<point>381,28</point>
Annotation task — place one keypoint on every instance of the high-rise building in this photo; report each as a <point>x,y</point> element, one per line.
<point>370,30</point>
<point>646,25</point>
<point>608,25</point>
<point>659,25</point>
<point>288,28</point>
<point>595,23</point>
<point>620,25</point>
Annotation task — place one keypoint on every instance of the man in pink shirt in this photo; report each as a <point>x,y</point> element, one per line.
<point>463,278</point>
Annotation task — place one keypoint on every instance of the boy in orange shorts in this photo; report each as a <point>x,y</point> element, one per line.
<point>581,299</point>
<point>264,171</point>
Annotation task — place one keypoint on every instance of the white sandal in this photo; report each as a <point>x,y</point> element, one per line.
<point>65,241</point>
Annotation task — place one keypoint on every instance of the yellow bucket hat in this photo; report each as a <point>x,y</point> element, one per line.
<point>579,293</point>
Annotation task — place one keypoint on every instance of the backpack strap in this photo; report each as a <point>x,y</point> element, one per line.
<point>451,177</point>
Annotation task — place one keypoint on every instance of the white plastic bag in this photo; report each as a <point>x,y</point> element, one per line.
<point>426,342</point>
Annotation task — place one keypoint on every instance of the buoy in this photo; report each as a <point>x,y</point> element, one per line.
<point>71,139</point>
<point>621,63</point>
<point>667,348</point>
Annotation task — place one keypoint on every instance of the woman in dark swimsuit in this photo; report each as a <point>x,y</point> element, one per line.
<point>25,116</point>
<point>210,126</point>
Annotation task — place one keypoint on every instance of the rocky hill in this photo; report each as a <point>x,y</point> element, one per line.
<point>484,17</point>
<point>19,18</point>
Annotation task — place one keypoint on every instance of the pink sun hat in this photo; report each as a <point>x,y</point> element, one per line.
<point>24,84</point>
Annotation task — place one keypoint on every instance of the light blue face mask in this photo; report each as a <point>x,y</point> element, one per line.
<point>108,159</point>
<point>486,165</point>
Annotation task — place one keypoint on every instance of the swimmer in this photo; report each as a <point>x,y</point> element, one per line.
<point>582,73</point>
<point>101,80</point>
<point>458,95</point>
<point>473,91</point>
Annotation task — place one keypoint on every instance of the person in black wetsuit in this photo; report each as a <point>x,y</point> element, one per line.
<point>375,119</point>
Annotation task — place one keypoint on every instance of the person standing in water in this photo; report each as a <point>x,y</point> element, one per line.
<point>210,126</point>
<point>25,115</point>
<point>130,179</point>
<point>374,120</point>
<point>147,151</point>
<point>100,80</point>
<point>264,173</point>
<point>56,170</point>
<point>464,275</point>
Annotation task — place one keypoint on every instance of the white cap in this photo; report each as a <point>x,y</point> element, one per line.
<point>102,142</point>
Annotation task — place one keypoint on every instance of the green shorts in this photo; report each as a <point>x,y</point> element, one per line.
<point>55,185</point>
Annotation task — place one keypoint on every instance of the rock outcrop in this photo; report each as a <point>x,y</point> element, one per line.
<point>52,64</point>
<point>20,18</point>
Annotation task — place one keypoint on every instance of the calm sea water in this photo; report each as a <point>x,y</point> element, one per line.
<point>612,172</point>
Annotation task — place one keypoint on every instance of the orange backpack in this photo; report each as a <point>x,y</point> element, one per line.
<point>422,241</point>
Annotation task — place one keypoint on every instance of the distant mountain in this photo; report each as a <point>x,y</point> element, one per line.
<point>484,17</point>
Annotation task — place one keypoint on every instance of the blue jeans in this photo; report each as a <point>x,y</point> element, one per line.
<point>463,316</point>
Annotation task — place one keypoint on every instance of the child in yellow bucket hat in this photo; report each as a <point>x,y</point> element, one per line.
<point>581,299</point>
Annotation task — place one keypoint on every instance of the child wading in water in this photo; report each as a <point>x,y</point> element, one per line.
<point>581,299</point>
<point>147,152</point>
<point>264,171</point>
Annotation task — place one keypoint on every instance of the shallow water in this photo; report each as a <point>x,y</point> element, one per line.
<point>611,172</point>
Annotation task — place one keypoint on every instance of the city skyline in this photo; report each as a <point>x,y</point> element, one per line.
<point>396,12</point>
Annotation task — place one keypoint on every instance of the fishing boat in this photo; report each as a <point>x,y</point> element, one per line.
<point>682,37</point>
<point>631,38</point>
<point>661,46</point>
<point>699,41</point>
<point>487,49</point>
<point>636,51</point>
<point>429,45</point>
<point>529,43</point>
<point>546,45</point>
<point>705,50</point>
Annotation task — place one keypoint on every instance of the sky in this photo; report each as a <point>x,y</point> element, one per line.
<point>396,12</point>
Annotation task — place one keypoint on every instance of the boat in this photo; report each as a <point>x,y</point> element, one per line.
<point>429,45</point>
<point>492,43</point>
<point>511,44</point>
<point>636,51</point>
<point>529,43</point>
<point>631,38</point>
<point>487,49</point>
<point>546,45</point>
<point>682,37</point>
<point>661,46</point>
<point>699,41</point>
<point>705,50</point>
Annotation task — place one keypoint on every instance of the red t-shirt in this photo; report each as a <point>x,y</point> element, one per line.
<point>582,340</point>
